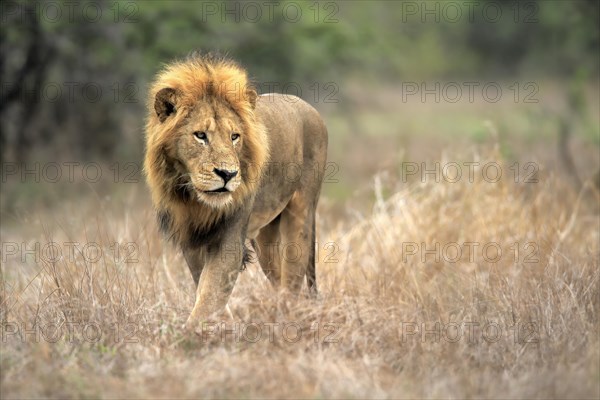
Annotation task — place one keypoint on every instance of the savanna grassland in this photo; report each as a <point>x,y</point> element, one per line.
<point>431,285</point>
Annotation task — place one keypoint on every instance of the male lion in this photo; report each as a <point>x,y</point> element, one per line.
<point>225,165</point>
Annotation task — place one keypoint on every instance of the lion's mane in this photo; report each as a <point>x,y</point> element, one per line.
<point>195,78</point>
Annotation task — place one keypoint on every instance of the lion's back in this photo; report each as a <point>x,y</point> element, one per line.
<point>295,129</point>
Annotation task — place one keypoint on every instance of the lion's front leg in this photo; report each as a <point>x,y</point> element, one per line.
<point>216,281</point>
<point>195,259</point>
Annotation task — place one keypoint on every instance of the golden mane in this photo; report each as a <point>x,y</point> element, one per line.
<point>198,77</point>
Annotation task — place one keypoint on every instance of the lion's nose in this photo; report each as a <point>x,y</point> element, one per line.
<point>225,174</point>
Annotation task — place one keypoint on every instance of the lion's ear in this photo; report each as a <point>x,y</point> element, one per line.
<point>252,96</point>
<point>164,103</point>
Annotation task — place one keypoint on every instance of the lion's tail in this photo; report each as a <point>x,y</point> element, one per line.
<point>311,273</point>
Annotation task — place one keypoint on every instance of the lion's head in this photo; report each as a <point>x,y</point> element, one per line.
<point>204,146</point>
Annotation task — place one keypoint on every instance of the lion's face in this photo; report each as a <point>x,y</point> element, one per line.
<point>209,145</point>
<point>205,148</point>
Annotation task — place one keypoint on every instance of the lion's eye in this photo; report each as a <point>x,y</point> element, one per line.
<point>200,136</point>
<point>235,136</point>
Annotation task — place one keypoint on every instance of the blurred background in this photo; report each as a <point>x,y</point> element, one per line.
<point>397,82</point>
<point>407,89</point>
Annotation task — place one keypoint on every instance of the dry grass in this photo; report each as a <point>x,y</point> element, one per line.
<point>529,321</point>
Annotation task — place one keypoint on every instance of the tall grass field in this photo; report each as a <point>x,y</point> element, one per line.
<point>456,258</point>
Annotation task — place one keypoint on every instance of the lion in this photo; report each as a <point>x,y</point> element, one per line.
<point>225,167</point>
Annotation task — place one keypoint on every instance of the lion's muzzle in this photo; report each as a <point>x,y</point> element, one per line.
<point>226,175</point>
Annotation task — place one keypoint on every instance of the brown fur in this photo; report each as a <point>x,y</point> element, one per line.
<point>208,139</point>
<point>194,79</point>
